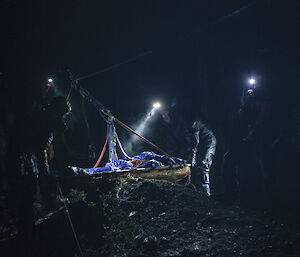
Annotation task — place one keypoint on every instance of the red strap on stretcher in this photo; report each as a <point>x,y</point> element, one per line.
<point>102,152</point>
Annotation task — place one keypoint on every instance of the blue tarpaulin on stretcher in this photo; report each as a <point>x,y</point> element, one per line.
<point>143,160</point>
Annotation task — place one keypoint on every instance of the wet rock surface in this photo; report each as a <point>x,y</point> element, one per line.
<point>154,218</point>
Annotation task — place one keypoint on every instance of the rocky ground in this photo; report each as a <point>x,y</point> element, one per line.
<point>139,218</point>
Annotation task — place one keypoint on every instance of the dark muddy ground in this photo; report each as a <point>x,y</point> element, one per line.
<point>139,218</point>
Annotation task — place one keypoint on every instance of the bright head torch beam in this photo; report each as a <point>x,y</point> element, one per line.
<point>252,81</point>
<point>156,105</point>
<point>141,128</point>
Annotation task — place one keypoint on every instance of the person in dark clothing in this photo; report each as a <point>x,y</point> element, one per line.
<point>175,133</point>
<point>191,139</point>
<point>37,134</point>
<point>244,176</point>
<point>204,150</point>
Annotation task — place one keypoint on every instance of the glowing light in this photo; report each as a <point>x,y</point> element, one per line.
<point>50,80</point>
<point>142,126</point>
<point>156,105</point>
<point>252,81</point>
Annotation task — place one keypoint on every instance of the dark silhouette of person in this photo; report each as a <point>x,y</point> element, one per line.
<point>37,133</point>
<point>175,133</point>
<point>245,176</point>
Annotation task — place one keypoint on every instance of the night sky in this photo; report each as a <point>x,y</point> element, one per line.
<point>202,52</point>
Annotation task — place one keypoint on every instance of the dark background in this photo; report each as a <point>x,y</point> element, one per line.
<point>203,52</point>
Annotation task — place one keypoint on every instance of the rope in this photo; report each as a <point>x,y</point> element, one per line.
<point>114,66</point>
<point>73,84</point>
<point>103,111</point>
<point>143,138</point>
<point>235,12</point>
<point>122,149</point>
<point>69,93</point>
<point>102,152</point>
<point>99,106</point>
<point>69,217</point>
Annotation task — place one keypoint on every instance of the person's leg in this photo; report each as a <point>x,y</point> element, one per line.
<point>47,186</point>
<point>200,179</point>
